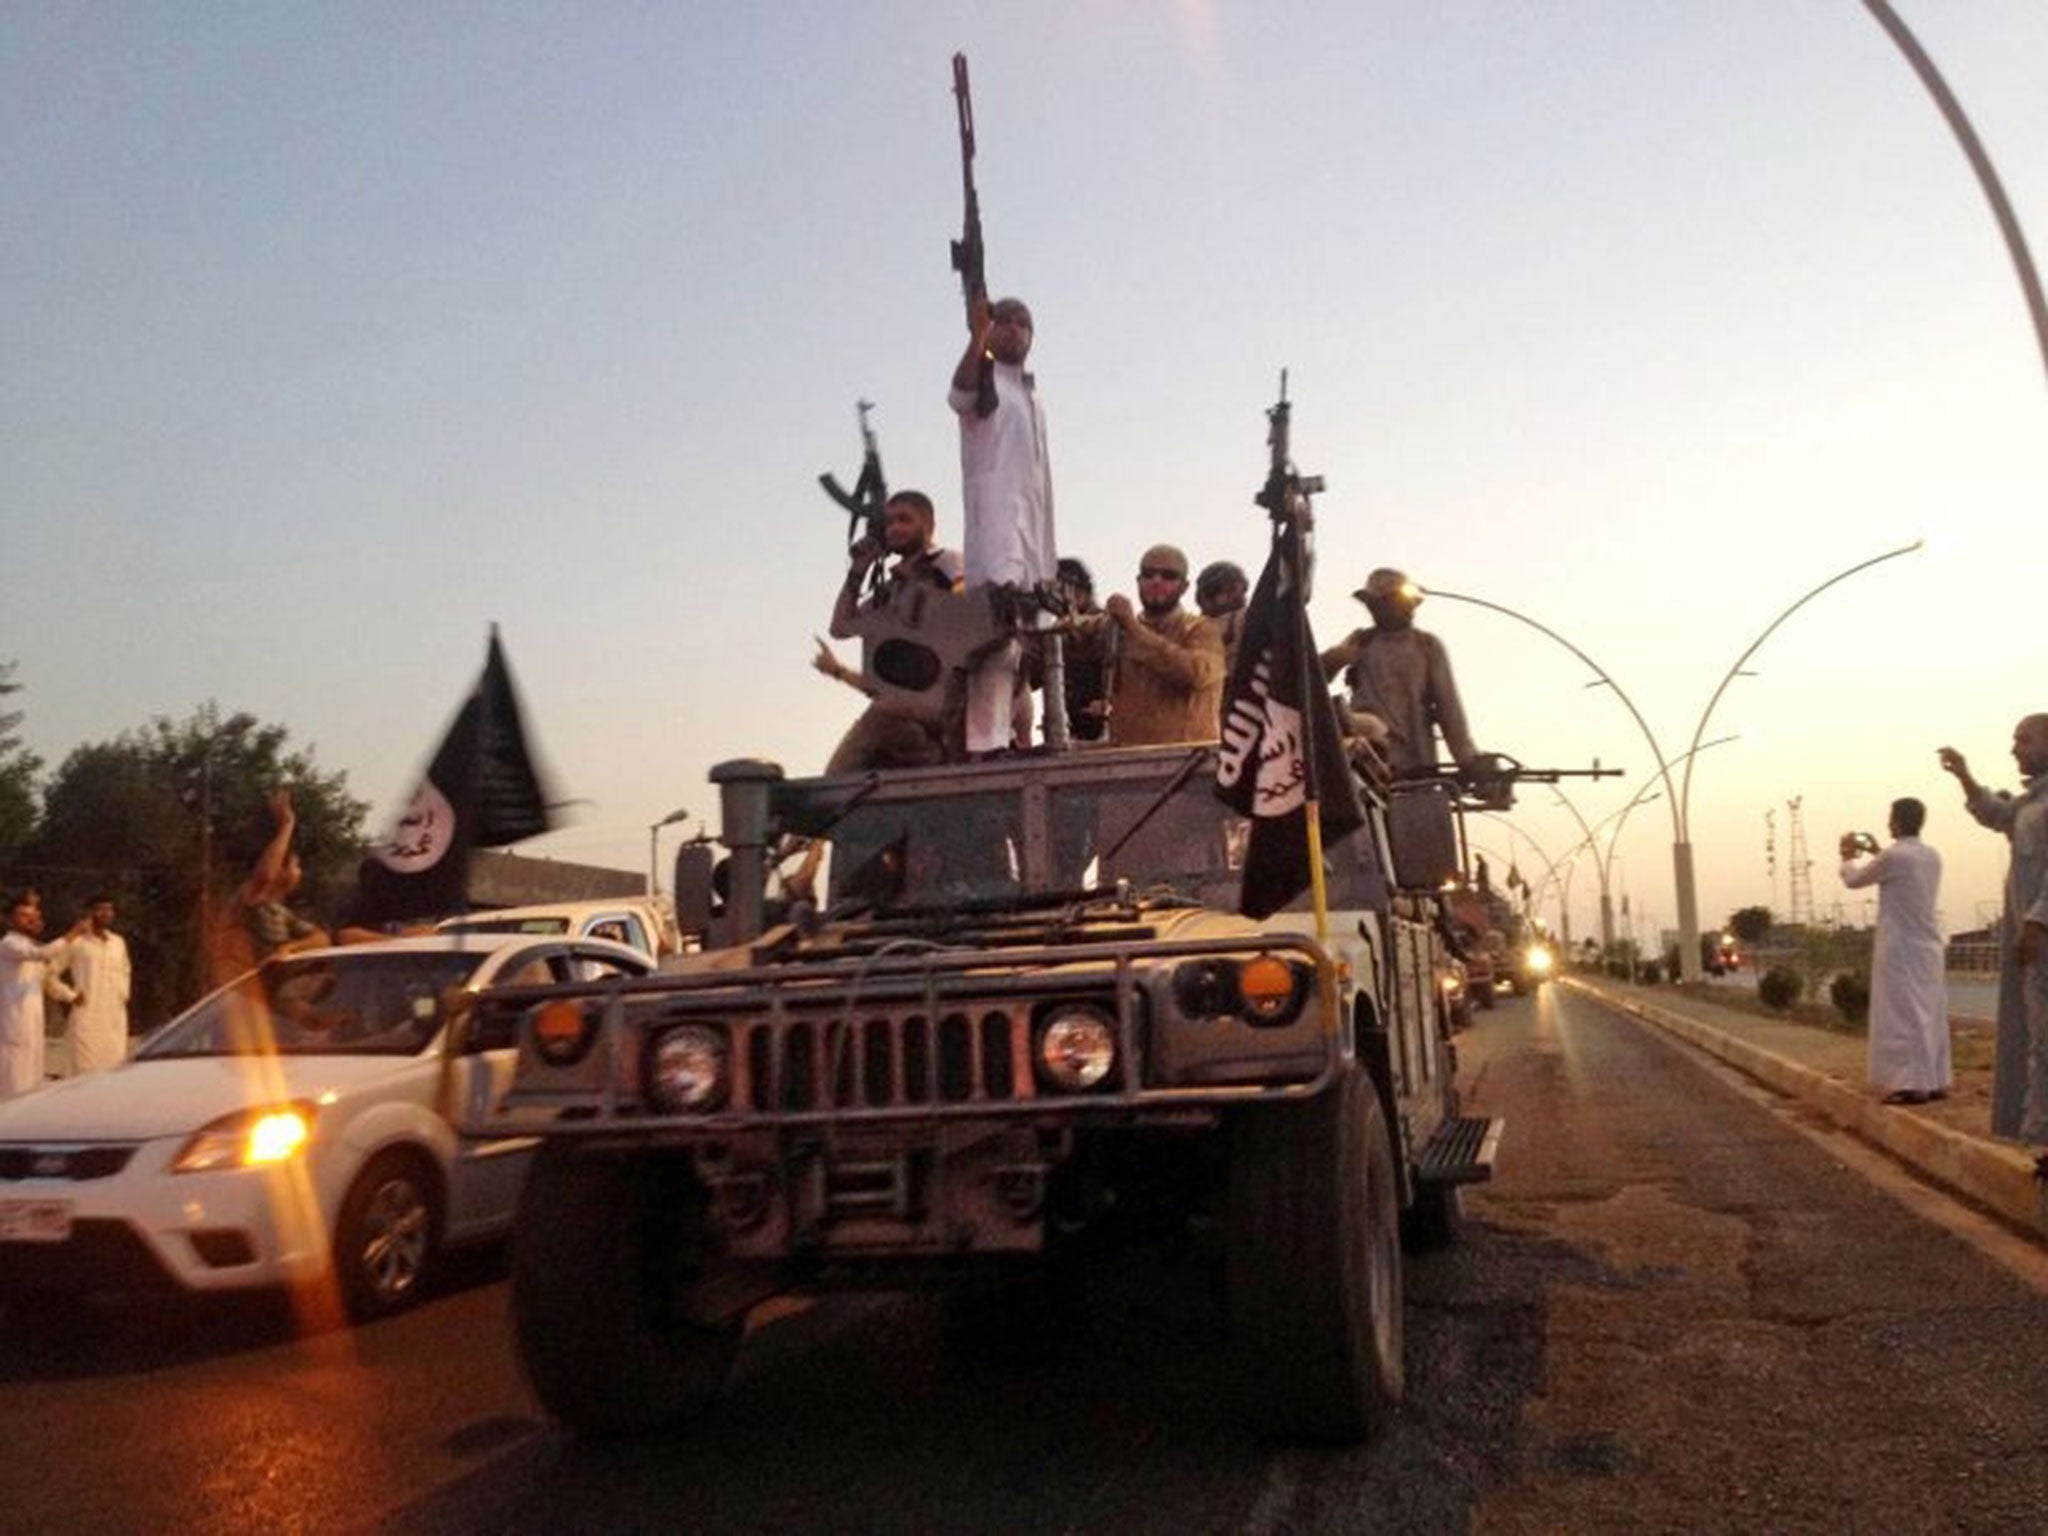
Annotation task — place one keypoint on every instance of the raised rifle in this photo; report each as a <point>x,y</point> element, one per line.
<point>866,502</point>
<point>1286,491</point>
<point>968,253</point>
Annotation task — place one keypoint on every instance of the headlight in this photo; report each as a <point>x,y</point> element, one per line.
<point>250,1137</point>
<point>1452,983</point>
<point>1262,990</point>
<point>563,1030</point>
<point>1076,1048</point>
<point>686,1067</point>
<point>1538,961</point>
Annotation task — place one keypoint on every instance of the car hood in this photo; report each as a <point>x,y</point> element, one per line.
<point>139,1100</point>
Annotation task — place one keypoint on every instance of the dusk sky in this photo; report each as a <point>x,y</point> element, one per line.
<point>331,335</point>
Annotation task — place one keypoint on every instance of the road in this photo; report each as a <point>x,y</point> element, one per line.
<point>1679,1308</point>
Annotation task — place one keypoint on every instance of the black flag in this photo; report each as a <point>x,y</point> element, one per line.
<point>1262,767</point>
<point>480,791</point>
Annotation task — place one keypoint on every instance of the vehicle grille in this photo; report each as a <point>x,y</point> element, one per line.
<point>75,1163</point>
<point>884,1060</point>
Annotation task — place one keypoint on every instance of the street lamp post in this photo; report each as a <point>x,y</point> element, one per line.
<point>653,841</point>
<point>1602,863</point>
<point>1679,799</point>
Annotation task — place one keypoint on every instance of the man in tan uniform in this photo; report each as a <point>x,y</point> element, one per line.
<point>1169,668</point>
<point>1400,677</point>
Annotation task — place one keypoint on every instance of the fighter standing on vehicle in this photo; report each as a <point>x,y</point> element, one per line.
<point>1006,477</point>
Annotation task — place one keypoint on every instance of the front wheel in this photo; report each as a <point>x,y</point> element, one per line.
<point>1313,1267</point>
<point>607,1253</point>
<point>387,1236</point>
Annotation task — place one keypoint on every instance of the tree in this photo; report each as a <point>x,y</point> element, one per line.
<point>1750,924</point>
<point>169,819</point>
<point>18,769</point>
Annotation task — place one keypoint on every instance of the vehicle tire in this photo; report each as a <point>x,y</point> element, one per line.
<point>1313,1267</point>
<point>605,1254</point>
<point>388,1235</point>
<point>1435,1219</point>
<point>1485,996</point>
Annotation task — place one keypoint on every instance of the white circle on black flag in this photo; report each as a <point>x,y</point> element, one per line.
<point>424,834</point>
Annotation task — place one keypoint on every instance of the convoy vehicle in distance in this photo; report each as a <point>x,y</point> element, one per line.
<point>294,1127</point>
<point>1026,1010</point>
<point>641,923</point>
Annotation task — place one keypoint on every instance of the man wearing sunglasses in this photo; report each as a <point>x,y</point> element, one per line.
<point>1169,667</point>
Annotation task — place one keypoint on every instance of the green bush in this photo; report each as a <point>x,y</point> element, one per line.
<point>1850,993</point>
<point>1779,988</point>
<point>1650,973</point>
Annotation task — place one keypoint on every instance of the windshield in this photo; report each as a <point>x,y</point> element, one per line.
<point>509,925</point>
<point>1189,844</point>
<point>930,854</point>
<point>948,850</point>
<point>327,1005</point>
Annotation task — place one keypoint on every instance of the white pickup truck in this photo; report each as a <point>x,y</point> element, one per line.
<point>638,922</point>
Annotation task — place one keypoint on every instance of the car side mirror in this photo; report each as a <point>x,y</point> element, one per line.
<point>695,892</point>
<point>1424,838</point>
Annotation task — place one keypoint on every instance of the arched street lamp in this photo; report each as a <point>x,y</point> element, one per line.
<point>1679,800</point>
<point>653,841</point>
<point>1603,862</point>
<point>1980,163</point>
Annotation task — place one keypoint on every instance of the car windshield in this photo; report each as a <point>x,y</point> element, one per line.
<point>915,853</point>
<point>323,1005</point>
<point>1163,834</point>
<point>508,925</point>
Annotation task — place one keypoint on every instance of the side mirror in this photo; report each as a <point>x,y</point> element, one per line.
<point>695,902</point>
<point>1424,838</point>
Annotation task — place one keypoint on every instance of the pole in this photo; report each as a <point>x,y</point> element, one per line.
<point>653,840</point>
<point>1980,163</point>
<point>1681,853</point>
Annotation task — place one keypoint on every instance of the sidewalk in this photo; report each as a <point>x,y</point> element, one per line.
<point>1948,1142</point>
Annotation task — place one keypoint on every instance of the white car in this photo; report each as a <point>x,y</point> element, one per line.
<point>638,922</point>
<point>295,1126</point>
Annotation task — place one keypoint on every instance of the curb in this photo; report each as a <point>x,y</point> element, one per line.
<point>1997,1177</point>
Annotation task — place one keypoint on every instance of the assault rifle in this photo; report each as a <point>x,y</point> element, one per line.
<point>968,253</point>
<point>869,497</point>
<point>1286,491</point>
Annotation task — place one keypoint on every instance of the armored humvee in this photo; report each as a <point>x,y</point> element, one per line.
<point>1022,1008</point>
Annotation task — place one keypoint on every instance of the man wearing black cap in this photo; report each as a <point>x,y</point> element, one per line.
<point>1220,593</point>
<point>1400,680</point>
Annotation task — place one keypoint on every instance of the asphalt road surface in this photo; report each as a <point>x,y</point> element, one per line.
<point>1678,1309</point>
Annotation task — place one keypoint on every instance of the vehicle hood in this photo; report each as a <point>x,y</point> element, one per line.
<point>139,1100</point>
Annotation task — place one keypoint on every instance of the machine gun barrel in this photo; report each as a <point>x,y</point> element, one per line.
<point>1497,767</point>
<point>969,253</point>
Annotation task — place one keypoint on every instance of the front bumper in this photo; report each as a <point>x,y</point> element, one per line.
<point>144,1228</point>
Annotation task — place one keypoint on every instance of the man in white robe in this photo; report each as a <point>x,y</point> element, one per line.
<point>2019,1068</point>
<point>99,974</point>
<point>1006,494</point>
<point>1909,1043</point>
<point>25,963</point>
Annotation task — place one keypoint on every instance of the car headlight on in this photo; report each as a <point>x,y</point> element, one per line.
<point>686,1067</point>
<point>1452,983</point>
<point>1076,1049</point>
<point>248,1138</point>
<point>1538,961</point>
